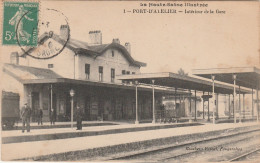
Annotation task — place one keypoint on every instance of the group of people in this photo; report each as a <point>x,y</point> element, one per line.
<point>26,112</point>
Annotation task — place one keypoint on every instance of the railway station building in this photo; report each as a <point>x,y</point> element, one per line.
<point>104,80</point>
<point>88,71</point>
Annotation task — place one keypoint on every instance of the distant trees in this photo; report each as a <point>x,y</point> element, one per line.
<point>182,72</point>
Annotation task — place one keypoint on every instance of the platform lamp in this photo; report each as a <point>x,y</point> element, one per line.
<point>72,93</point>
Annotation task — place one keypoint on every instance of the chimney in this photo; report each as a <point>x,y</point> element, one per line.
<point>95,37</point>
<point>116,40</point>
<point>64,32</point>
<point>14,58</point>
<point>128,47</point>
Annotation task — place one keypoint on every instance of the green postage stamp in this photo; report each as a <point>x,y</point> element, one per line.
<point>20,22</point>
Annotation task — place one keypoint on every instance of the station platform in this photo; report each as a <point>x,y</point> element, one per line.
<point>47,125</point>
<point>16,136</point>
<point>80,148</point>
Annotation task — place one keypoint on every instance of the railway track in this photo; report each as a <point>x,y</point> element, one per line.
<point>178,152</point>
<point>249,156</point>
<point>188,154</point>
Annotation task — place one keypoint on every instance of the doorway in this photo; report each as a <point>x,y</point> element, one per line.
<point>87,108</point>
<point>35,105</point>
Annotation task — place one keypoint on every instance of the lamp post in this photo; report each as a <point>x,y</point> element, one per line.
<point>51,97</point>
<point>72,93</point>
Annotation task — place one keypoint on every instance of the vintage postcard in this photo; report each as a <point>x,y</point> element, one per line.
<point>130,81</point>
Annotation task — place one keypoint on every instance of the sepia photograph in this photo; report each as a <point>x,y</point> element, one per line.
<point>130,81</point>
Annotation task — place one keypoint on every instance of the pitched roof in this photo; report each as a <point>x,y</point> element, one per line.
<point>80,47</point>
<point>24,72</point>
<point>100,49</point>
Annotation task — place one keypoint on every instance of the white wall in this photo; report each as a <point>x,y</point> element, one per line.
<point>64,64</point>
<point>118,62</point>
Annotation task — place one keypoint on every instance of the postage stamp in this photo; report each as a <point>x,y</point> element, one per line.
<point>20,23</point>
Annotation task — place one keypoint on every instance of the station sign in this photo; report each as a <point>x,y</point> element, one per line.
<point>206,97</point>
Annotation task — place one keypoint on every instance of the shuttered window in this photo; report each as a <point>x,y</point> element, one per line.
<point>112,75</point>
<point>87,70</point>
<point>100,70</point>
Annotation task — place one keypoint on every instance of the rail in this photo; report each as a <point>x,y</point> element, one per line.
<point>168,147</point>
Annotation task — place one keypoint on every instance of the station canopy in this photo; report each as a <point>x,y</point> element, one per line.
<point>179,81</point>
<point>248,77</point>
<point>73,82</point>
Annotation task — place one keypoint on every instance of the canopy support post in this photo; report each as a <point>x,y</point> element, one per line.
<point>252,103</point>
<point>229,113</point>
<point>195,106</point>
<point>203,106</point>
<point>208,108</point>
<point>136,103</point>
<point>214,98</point>
<point>239,104</point>
<point>190,116</point>
<point>234,94</point>
<point>153,103</point>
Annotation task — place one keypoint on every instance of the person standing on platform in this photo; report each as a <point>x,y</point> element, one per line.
<point>52,117</point>
<point>26,116</point>
<point>39,116</point>
<point>79,118</point>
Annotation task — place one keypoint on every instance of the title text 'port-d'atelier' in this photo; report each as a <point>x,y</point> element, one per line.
<point>154,11</point>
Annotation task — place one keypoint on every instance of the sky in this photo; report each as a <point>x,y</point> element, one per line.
<point>167,42</point>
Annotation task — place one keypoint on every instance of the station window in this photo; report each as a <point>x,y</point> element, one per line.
<point>123,72</point>
<point>87,70</point>
<point>133,72</point>
<point>112,75</point>
<point>100,72</point>
<point>50,65</point>
<point>113,53</point>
